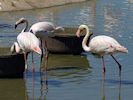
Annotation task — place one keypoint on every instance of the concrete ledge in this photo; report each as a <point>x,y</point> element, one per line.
<point>10,5</point>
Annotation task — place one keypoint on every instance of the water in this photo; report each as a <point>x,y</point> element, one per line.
<point>81,79</point>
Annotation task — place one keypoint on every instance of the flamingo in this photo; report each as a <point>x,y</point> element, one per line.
<point>41,30</point>
<point>101,45</point>
<point>26,42</point>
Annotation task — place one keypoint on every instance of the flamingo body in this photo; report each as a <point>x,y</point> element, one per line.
<point>102,45</point>
<point>28,42</point>
<point>42,29</point>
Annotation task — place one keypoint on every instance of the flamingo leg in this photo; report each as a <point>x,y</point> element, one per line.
<point>41,54</point>
<point>32,62</point>
<point>104,69</point>
<point>46,56</point>
<point>41,50</point>
<point>26,63</point>
<point>46,50</point>
<point>120,67</point>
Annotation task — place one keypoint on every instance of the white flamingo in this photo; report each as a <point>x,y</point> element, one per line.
<point>26,42</point>
<point>101,45</point>
<point>41,30</point>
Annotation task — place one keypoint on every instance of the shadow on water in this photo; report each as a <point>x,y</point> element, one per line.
<point>62,69</point>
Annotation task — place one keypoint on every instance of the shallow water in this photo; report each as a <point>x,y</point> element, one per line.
<point>80,79</point>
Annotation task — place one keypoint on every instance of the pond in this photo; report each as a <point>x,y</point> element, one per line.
<point>75,77</point>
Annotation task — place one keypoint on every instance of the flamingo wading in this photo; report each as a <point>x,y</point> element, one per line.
<point>26,42</point>
<point>41,30</point>
<point>101,45</point>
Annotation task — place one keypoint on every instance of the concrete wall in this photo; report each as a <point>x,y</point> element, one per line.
<point>10,5</point>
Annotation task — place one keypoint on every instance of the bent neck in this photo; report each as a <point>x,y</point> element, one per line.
<point>26,26</point>
<point>84,42</point>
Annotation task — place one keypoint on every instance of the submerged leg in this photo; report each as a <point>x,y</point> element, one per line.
<point>120,67</point>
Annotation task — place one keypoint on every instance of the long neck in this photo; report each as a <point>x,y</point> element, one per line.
<point>26,26</point>
<point>84,42</point>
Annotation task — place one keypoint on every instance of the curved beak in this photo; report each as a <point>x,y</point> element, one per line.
<point>15,26</point>
<point>78,33</point>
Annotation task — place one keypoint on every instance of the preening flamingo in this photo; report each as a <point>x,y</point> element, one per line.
<point>101,45</point>
<point>26,42</point>
<point>41,30</point>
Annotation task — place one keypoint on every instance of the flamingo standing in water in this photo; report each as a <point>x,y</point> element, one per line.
<point>41,30</point>
<point>26,42</point>
<point>101,45</point>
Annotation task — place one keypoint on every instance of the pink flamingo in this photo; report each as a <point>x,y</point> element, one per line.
<point>41,30</point>
<point>26,42</point>
<point>101,45</point>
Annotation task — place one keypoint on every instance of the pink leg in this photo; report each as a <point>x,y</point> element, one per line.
<point>104,69</point>
<point>120,67</point>
<point>42,51</point>
<point>46,57</point>
<point>46,63</point>
<point>26,63</point>
<point>33,69</point>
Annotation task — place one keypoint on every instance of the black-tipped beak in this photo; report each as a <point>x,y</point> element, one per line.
<point>91,33</point>
<point>15,26</point>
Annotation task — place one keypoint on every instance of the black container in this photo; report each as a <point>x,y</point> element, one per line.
<point>11,66</point>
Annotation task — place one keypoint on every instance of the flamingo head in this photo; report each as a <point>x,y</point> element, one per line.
<point>20,21</point>
<point>81,29</point>
<point>15,48</point>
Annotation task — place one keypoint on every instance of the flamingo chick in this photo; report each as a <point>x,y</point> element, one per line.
<point>41,30</point>
<point>101,45</point>
<point>26,42</point>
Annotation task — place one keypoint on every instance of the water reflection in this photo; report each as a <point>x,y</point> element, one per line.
<point>104,93</point>
<point>67,61</point>
<point>36,85</point>
<point>61,69</point>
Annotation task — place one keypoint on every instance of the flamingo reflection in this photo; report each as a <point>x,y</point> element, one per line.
<point>104,92</point>
<point>40,92</point>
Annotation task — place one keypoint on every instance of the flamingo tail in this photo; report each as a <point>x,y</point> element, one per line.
<point>122,49</point>
<point>38,50</point>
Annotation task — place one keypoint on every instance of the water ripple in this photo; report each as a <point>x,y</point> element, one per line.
<point>123,82</point>
<point>5,26</point>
